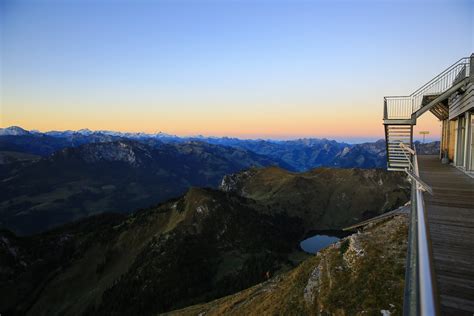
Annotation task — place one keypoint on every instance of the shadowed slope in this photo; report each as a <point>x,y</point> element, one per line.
<point>361,274</point>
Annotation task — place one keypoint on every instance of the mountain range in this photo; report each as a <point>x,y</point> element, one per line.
<point>48,179</point>
<point>102,223</point>
<point>299,154</point>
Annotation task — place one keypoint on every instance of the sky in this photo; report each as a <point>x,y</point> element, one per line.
<point>249,69</point>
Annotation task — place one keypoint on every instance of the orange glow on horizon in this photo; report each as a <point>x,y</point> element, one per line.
<point>260,125</point>
<point>343,118</point>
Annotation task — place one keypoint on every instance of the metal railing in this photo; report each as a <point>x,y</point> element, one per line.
<point>402,107</point>
<point>420,296</point>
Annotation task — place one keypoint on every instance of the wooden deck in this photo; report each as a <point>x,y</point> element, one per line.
<point>451,222</point>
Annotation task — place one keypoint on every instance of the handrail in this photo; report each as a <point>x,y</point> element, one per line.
<point>402,107</point>
<point>420,287</point>
<point>428,299</point>
<point>461,61</point>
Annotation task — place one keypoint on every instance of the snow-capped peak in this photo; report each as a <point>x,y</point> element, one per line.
<point>13,131</point>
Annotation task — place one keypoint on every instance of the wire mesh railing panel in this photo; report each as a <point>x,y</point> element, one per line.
<point>402,107</point>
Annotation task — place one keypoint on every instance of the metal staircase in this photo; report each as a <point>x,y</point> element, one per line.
<point>395,134</point>
<point>401,112</point>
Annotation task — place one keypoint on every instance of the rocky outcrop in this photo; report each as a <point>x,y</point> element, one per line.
<point>121,151</point>
<point>234,182</point>
<point>311,289</point>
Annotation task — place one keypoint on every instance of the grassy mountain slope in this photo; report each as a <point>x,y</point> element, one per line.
<point>199,247</point>
<point>325,198</point>
<point>362,274</point>
<point>185,251</point>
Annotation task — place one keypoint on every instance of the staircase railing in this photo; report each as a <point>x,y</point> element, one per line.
<point>402,107</point>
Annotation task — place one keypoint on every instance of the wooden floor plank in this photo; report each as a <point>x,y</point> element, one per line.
<point>450,213</point>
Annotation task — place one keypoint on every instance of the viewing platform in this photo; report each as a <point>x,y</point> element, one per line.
<point>450,217</point>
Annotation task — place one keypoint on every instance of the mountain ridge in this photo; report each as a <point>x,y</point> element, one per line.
<point>299,154</point>
<point>116,176</point>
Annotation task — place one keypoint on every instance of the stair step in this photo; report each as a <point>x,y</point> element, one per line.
<point>404,161</point>
<point>398,164</point>
<point>398,154</point>
<point>396,145</point>
<point>395,169</point>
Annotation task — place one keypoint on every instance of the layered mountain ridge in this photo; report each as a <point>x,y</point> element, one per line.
<point>298,154</point>
<point>47,179</point>
<point>120,177</point>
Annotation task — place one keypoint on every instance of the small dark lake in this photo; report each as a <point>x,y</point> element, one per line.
<point>320,240</point>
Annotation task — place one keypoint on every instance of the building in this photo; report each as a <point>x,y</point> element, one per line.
<point>450,97</point>
<point>440,259</point>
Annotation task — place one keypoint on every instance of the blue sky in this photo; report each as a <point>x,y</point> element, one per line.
<point>278,69</point>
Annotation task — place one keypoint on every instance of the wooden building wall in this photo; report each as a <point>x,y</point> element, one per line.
<point>451,139</point>
<point>461,102</point>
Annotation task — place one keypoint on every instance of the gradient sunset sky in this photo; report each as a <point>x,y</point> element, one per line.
<point>269,69</point>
